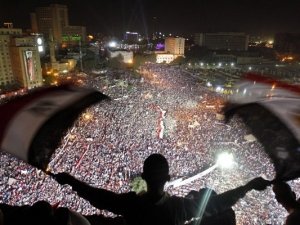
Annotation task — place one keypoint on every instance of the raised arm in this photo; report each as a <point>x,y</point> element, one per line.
<point>99,198</point>
<point>227,199</point>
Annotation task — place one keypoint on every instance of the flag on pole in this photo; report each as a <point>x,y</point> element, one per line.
<point>271,110</point>
<point>32,126</point>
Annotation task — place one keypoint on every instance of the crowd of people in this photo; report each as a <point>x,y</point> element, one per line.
<point>107,145</point>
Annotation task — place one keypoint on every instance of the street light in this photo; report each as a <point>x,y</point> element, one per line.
<point>112,44</point>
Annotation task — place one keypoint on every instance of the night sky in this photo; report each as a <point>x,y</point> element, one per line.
<point>259,17</point>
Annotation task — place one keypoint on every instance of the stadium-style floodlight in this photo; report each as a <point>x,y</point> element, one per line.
<point>225,160</point>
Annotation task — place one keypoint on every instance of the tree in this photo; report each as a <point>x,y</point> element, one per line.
<point>178,61</point>
<point>141,59</point>
<point>116,62</point>
<point>138,185</point>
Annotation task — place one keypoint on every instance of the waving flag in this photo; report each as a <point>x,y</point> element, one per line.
<point>31,126</point>
<point>271,110</point>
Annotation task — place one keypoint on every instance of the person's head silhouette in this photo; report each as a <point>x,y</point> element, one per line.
<point>156,172</point>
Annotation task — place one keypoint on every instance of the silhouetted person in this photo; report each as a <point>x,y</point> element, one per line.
<point>40,213</point>
<point>287,198</point>
<point>226,217</point>
<point>156,206</point>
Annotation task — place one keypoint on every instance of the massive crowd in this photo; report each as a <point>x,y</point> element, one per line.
<point>107,145</point>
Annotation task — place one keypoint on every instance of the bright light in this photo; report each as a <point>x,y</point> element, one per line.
<point>249,68</point>
<point>218,89</point>
<point>219,64</point>
<point>65,71</point>
<point>40,48</point>
<point>201,64</point>
<point>208,84</point>
<point>270,42</point>
<point>87,116</point>
<point>287,58</point>
<point>112,44</point>
<point>245,91</point>
<point>39,41</point>
<point>225,160</point>
<point>231,64</point>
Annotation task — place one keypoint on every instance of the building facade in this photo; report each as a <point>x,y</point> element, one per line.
<point>229,41</point>
<point>20,59</point>
<point>174,45</point>
<point>50,20</point>
<point>6,71</point>
<point>53,21</point>
<point>165,58</point>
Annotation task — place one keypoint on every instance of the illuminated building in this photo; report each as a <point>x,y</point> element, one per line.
<point>6,72</point>
<point>131,37</point>
<point>165,58</point>
<point>174,45</point>
<point>230,41</point>
<point>173,48</point>
<point>20,62</point>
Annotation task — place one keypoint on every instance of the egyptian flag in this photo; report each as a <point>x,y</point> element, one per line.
<point>271,110</point>
<point>32,126</point>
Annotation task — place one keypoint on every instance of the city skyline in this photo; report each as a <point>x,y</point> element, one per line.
<point>188,17</point>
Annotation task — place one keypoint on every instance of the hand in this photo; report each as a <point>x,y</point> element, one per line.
<point>258,184</point>
<point>63,178</point>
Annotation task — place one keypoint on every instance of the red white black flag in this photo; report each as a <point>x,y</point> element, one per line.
<point>31,126</point>
<point>271,109</point>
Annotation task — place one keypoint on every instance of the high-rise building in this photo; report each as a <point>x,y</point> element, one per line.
<point>19,59</point>
<point>26,63</point>
<point>51,19</point>
<point>54,21</point>
<point>174,45</point>
<point>6,72</point>
<point>230,41</point>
